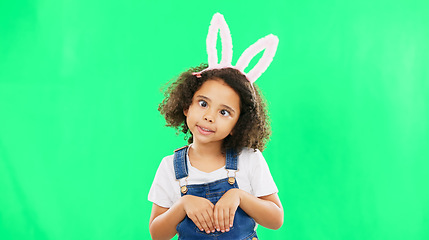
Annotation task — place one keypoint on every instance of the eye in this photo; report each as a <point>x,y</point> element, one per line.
<point>202,103</point>
<point>224,112</point>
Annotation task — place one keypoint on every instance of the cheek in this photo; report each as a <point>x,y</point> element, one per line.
<point>190,116</point>
<point>236,120</point>
<point>234,125</point>
<point>231,124</point>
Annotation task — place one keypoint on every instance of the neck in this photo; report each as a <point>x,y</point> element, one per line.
<point>212,149</point>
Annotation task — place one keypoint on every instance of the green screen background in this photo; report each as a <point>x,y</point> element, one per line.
<point>81,137</point>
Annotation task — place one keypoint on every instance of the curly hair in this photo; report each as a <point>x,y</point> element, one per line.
<point>252,129</point>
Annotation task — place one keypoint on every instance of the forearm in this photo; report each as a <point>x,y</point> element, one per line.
<point>264,211</point>
<point>164,225</point>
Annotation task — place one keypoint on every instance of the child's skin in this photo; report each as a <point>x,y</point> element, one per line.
<point>211,117</point>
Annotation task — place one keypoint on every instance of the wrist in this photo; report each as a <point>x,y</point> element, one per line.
<point>182,203</point>
<point>238,192</point>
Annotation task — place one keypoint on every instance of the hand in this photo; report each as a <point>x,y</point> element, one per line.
<point>200,211</point>
<point>225,209</point>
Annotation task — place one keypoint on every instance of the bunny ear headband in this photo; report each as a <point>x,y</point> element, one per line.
<point>269,43</point>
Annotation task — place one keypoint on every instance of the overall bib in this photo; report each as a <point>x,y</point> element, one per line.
<point>243,226</point>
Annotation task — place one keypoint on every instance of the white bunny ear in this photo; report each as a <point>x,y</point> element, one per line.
<point>218,23</point>
<point>269,43</point>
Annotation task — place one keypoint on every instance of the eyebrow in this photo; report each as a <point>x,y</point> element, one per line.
<point>223,105</point>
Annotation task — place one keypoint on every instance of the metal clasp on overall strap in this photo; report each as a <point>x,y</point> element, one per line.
<point>231,179</point>
<point>184,188</point>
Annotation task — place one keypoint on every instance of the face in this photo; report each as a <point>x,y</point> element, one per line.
<point>213,113</point>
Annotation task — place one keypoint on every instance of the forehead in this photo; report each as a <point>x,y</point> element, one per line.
<point>218,91</point>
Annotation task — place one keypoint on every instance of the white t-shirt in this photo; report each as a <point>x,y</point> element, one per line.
<point>253,176</point>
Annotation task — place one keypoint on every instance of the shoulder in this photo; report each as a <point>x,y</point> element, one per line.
<point>255,173</point>
<point>250,158</point>
<point>165,172</point>
<point>167,163</point>
<point>250,153</point>
<point>186,146</point>
<point>163,190</point>
<point>166,166</point>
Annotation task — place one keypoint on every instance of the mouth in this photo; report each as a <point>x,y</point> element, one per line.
<point>205,131</point>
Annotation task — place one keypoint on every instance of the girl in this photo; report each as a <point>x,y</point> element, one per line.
<point>219,186</point>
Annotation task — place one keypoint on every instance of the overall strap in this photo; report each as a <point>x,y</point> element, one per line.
<point>231,159</point>
<point>180,166</point>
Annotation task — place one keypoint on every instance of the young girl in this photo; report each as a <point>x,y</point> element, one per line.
<point>218,187</point>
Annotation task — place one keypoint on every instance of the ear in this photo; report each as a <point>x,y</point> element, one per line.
<point>218,24</point>
<point>269,44</point>
<point>185,112</point>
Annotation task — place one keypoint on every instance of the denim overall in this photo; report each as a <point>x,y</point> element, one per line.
<point>243,226</point>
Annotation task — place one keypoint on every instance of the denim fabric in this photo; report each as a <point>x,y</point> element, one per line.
<point>243,226</point>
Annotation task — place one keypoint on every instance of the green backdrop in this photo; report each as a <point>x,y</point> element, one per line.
<point>81,138</point>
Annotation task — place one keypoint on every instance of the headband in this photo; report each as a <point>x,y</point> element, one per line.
<point>268,43</point>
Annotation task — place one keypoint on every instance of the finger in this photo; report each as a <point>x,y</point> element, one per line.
<point>208,217</point>
<point>210,214</point>
<point>216,218</point>
<point>226,219</point>
<point>213,220</point>
<point>231,218</point>
<point>221,221</point>
<point>203,223</point>
<point>196,222</point>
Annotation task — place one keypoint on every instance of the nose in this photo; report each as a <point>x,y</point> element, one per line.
<point>208,117</point>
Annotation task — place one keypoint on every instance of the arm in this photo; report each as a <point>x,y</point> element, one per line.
<point>266,211</point>
<point>163,221</point>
